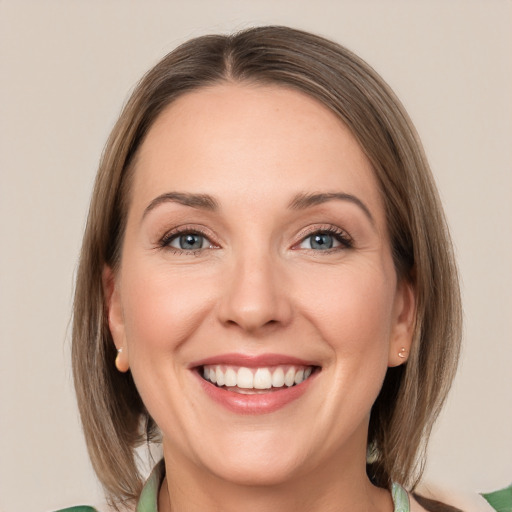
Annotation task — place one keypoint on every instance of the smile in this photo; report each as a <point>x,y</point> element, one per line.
<point>248,384</point>
<point>253,380</point>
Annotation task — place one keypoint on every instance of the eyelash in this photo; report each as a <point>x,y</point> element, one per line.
<point>338,234</point>
<point>165,241</point>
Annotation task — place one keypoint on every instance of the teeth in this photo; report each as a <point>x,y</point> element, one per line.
<point>262,379</point>
<point>219,376</point>
<point>256,378</point>
<point>289,378</point>
<point>278,378</point>
<point>245,378</point>
<point>299,376</point>
<point>230,378</point>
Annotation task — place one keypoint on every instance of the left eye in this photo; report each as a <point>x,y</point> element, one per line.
<point>320,242</point>
<point>189,242</point>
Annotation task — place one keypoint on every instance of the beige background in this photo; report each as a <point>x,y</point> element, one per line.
<point>67,67</point>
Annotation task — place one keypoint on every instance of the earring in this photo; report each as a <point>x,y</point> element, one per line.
<point>118,361</point>
<point>402,352</point>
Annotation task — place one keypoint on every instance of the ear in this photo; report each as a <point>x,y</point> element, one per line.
<point>404,312</point>
<point>115,317</point>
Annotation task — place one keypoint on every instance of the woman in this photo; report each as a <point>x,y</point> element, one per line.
<point>267,283</point>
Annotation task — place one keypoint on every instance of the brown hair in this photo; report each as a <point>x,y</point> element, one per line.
<point>114,418</point>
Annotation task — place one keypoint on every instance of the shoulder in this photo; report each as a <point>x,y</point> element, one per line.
<point>79,508</point>
<point>415,506</point>
<point>456,499</point>
<point>88,508</point>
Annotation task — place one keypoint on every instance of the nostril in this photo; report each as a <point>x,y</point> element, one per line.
<point>252,297</point>
<point>252,323</point>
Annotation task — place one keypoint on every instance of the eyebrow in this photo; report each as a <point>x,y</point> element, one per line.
<point>299,202</point>
<point>201,201</point>
<point>303,201</point>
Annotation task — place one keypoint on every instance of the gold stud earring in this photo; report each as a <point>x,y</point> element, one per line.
<point>118,361</point>
<point>401,354</point>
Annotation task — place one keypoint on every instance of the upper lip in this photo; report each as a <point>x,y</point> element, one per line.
<point>252,361</point>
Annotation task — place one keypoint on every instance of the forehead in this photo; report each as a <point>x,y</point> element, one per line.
<point>251,140</point>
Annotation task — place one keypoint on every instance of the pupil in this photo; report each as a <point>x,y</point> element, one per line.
<point>322,241</point>
<point>191,241</point>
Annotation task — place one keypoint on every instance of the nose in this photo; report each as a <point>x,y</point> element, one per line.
<point>254,294</point>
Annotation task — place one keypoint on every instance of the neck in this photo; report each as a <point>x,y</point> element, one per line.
<point>332,487</point>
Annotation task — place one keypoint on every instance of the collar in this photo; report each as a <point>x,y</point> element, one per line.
<point>148,501</point>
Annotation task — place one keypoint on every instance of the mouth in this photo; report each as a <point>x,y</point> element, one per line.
<point>255,384</point>
<point>256,380</point>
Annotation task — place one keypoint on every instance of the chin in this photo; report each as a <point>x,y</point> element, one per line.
<point>257,471</point>
<point>255,458</point>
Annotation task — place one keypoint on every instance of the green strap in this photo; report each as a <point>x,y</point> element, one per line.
<point>148,500</point>
<point>501,500</point>
<point>400,498</point>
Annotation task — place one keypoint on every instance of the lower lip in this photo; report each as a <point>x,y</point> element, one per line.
<point>261,403</point>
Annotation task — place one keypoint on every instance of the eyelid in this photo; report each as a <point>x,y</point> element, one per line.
<point>341,235</point>
<point>170,235</point>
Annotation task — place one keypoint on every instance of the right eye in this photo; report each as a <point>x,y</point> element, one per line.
<point>186,241</point>
<point>189,242</point>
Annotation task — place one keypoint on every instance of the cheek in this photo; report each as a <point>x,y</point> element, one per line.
<point>161,309</point>
<point>353,311</point>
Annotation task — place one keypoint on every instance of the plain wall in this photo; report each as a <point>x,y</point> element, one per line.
<point>66,69</point>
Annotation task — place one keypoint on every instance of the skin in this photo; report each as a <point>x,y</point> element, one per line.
<point>258,287</point>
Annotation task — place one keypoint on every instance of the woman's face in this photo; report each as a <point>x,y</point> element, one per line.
<point>256,253</point>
